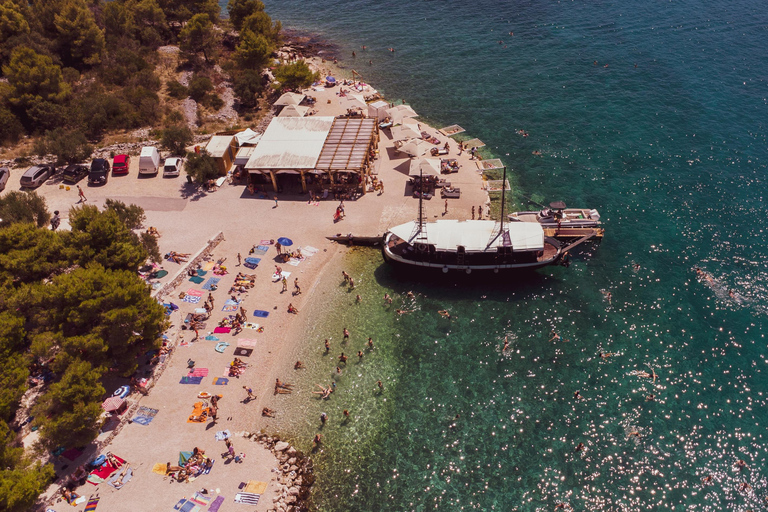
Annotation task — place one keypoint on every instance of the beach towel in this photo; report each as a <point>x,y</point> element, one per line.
<point>309,250</point>
<point>186,506</point>
<point>261,249</point>
<point>91,506</point>
<point>209,468</point>
<point>243,352</point>
<point>95,480</point>
<point>221,346</point>
<point>190,380</point>
<point>216,504</point>
<point>72,453</point>
<point>211,281</point>
<point>208,265</point>
<point>118,481</point>
<point>196,280</point>
<point>251,262</point>
<point>144,415</point>
<point>221,381</point>
<point>221,435</point>
<point>261,313</point>
<point>198,372</point>
<point>222,330</point>
<point>199,413</point>
<point>265,242</point>
<point>201,273</point>
<point>281,275</point>
<point>256,487</point>
<point>251,325</point>
<point>200,499</point>
<point>229,308</point>
<point>79,501</point>
<point>194,293</point>
<point>211,338</point>
<point>192,299</point>
<point>245,342</point>
<point>294,262</point>
<point>247,498</point>
<point>159,468</point>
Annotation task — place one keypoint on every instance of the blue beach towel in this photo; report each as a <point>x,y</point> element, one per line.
<point>221,381</point>
<point>196,280</point>
<point>201,273</point>
<point>190,380</point>
<point>211,281</point>
<point>261,313</point>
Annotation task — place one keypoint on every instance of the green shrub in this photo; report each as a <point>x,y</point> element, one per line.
<point>199,87</point>
<point>176,90</point>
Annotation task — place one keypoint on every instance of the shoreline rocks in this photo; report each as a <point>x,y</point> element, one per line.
<point>295,473</point>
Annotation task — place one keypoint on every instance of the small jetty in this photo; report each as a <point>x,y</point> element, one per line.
<point>350,239</point>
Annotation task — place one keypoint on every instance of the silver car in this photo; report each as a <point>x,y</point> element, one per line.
<point>37,175</point>
<point>172,167</point>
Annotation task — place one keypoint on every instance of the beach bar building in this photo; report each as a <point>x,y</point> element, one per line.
<point>324,154</point>
<point>223,149</point>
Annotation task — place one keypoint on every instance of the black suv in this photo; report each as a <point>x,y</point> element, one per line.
<point>75,172</point>
<point>99,173</point>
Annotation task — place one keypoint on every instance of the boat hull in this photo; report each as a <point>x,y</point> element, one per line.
<point>398,260</point>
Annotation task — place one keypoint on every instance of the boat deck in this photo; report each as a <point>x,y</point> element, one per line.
<point>401,248</point>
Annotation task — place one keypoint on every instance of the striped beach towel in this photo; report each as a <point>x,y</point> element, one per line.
<point>247,498</point>
<point>91,506</point>
<point>200,499</point>
<point>211,282</point>
<point>191,299</point>
<point>199,372</point>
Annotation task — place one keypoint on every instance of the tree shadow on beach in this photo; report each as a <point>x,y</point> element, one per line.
<point>192,191</point>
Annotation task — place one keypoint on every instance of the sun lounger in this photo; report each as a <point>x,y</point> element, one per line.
<point>450,194</point>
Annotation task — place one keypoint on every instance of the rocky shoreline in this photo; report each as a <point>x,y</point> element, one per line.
<point>295,475</point>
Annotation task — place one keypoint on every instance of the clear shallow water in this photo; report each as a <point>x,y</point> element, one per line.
<point>673,153</point>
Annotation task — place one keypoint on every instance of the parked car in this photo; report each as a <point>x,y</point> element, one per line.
<point>37,175</point>
<point>149,161</point>
<point>99,173</point>
<point>120,164</point>
<point>75,172</point>
<point>5,173</point>
<point>172,167</point>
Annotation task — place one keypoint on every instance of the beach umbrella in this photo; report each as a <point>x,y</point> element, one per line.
<point>113,403</point>
<point>424,167</point>
<point>415,147</point>
<point>294,111</point>
<point>330,81</point>
<point>285,242</point>
<point>405,131</point>
<point>402,111</point>
<point>289,98</point>
<point>353,101</point>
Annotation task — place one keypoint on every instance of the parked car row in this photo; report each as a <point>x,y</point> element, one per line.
<point>98,172</point>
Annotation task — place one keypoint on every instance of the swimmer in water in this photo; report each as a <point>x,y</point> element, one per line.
<point>444,314</point>
<point>506,344</point>
<point>606,355</point>
<point>579,448</point>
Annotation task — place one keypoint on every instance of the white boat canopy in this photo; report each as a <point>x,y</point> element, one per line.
<point>474,235</point>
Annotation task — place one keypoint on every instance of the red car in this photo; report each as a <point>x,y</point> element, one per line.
<point>120,164</point>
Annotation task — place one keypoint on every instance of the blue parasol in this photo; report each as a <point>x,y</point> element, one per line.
<point>330,79</point>
<point>285,242</point>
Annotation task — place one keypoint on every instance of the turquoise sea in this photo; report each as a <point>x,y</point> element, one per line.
<point>652,112</point>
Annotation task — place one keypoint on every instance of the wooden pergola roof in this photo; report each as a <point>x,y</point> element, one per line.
<point>348,144</point>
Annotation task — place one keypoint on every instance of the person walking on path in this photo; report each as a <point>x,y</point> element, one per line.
<point>446,207</point>
<point>346,276</point>
<point>297,290</point>
<point>81,195</point>
<point>239,259</point>
<point>275,201</point>
<point>473,213</point>
<point>55,220</point>
<point>480,212</point>
<point>250,396</point>
<point>285,284</point>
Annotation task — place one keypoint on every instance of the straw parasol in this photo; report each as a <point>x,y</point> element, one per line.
<point>404,132</point>
<point>424,167</point>
<point>415,147</point>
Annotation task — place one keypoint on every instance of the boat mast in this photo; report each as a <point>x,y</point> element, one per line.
<point>419,231</point>
<point>501,225</point>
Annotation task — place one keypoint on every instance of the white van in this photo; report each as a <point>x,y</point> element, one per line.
<point>149,161</point>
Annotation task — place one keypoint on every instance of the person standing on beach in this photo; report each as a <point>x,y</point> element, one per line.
<point>480,212</point>
<point>279,248</point>
<point>446,207</point>
<point>297,290</point>
<point>473,213</point>
<point>248,390</point>
<point>239,259</point>
<point>285,284</point>
<point>346,276</point>
<point>275,201</point>
<point>81,195</point>
<point>351,284</point>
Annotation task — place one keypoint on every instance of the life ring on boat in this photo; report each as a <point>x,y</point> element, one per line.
<point>445,270</point>
<point>469,270</point>
<point>421,247</point>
